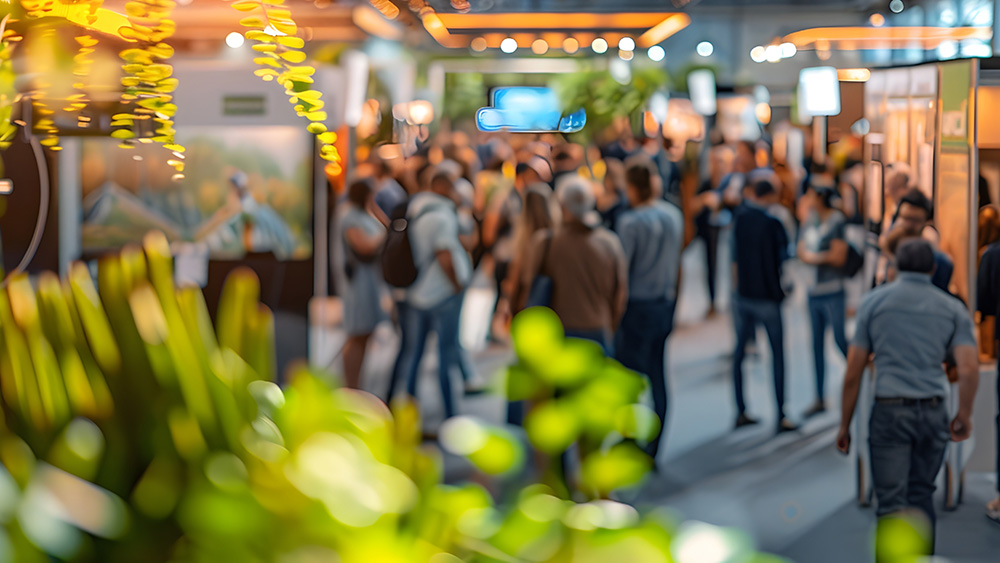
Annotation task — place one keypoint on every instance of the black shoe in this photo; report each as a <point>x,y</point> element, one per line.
<point>817,408</point>
<point>785,425</point>
<point>744,420</point>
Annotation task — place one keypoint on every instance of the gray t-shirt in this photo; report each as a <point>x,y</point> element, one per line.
<point>911,327</point>
<point>652,237</point>
<point>436,229</point>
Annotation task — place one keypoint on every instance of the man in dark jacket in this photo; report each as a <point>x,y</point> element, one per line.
<point>759,248</point>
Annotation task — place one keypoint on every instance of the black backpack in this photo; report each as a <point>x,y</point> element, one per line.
<point>398,266</point>
<point>854,263</point>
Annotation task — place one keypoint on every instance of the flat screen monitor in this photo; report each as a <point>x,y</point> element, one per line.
<point>245,189</point>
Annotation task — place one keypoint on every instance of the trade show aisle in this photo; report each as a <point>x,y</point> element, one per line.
<point>794,493</point>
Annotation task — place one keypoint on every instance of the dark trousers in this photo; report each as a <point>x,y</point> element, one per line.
<point>998,427</point>
<point>907,444</point>
<point>640,345</point>
<point>749,313</point>
<point>826,310</point>
<point>710,234</point>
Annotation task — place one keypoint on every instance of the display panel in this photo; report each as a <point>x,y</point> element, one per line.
<point>245,189</point>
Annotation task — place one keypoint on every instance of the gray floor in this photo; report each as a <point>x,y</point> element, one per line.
<point>793,493</point>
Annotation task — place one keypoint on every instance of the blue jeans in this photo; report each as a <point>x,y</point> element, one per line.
<point>417,324</point>
<point>826,310</point>
<point>748,313</point>
<point>640,345</point>
<point>907,445</point>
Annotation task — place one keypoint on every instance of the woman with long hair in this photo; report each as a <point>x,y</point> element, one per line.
<point>537,214</point>
<point>362,231</point>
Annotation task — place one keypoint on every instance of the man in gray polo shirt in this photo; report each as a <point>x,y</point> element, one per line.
<point>911,327</point>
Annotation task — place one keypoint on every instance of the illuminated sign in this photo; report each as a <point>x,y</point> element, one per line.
<point>6,187</point>
<point>528,110</point>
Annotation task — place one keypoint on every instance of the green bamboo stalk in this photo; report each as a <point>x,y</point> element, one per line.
<point>21,380</point>
<point>237,306</point>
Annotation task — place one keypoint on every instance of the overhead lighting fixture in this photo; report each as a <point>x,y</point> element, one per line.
<point>570,45</point>
<point>947,49</point>
<point>656,53</point>
<point>862,38</point>
<point>626,44</point>
<point>772,53</point>
<point>853,74</point>
<point>626,55</point>
<point>508,45</point>
<point>788,50</point>
<point>877,20</point>
<point>600,46</point>
<point>479,44</point>
<point>386,8</point>
<point>896,6</point>
<point>705,49</point>
<point>758,54</point>
<point>235,40</point>
<point>539,47</point>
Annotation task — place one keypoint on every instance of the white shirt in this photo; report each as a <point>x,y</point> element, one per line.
<point>436,228</point>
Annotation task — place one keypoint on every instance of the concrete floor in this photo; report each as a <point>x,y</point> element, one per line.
<point>794,493</point>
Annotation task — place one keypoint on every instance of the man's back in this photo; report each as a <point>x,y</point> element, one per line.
<point>911,326</point>
<point>759,248</point>
<point>434,228</point>
<point>589,280</point>
<point>651,237</point>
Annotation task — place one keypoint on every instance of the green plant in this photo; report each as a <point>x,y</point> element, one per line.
<point>604,98</point>
<point>133,430</point>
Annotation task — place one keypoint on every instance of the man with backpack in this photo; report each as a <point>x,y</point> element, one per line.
<point>423,253</point>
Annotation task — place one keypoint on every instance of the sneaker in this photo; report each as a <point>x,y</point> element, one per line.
<point>993,510</point>
<point>785,425</point>
<point>817,408</point>
<point>744,420</point>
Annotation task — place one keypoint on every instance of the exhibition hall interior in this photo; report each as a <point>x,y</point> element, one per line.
<point>692,281</point>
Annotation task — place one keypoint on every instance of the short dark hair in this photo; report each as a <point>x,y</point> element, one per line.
<point>915,255</point>
<point>441,178</point>
<point>916,198</point>
<point>640,176</point>
<point>359,191</point>
<point>523,168</point>
<point>763,188</point>
<point>826,194</point>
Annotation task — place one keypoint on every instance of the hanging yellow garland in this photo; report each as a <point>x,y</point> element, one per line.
<point>280,57</point>
<point>8,37</point>
<point>148,85</point>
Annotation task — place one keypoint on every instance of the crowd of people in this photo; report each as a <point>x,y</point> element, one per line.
<point>596,234</point>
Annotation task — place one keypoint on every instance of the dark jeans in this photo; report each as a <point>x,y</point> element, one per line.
<point>640,345</point>
<point>826,310</point>
<point>710,234</point>
<point>907,448</point>
<point>417,324</point>
<point>998,427</point>
<point>750,312</point>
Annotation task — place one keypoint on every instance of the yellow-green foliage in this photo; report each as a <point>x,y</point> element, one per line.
<point>134,430</point>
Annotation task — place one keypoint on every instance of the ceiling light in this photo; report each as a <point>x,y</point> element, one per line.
<point>571,45</point>
<point>896,6</point>
<point>539,47</point>
<point>235,40</point>
<point>705,49</point>
<point>656,53</point>
<point>788,50</point>
<point>877,20</point>
<point>772,53</point>
<point>758,54</point>
<point>478,44</point>
<point>947,49</point>
<point>854,74</point>
<point>508,45</point>
<point>626,44</point>
<point>626,55</point>
<point>600,46</point>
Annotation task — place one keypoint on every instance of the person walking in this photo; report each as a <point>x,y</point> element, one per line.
<point>912,219</point>
<point>361,235</point>
<point>823,247</point>
<point>910,327</point>
<point>988,294</point>
<point>586,265</point>
<point>652,234</point>
<point>434,301</point>
<point>760,247</point>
